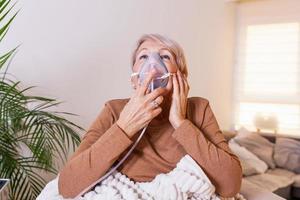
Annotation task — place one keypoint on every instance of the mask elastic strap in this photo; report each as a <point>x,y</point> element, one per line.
<point>165,75</point>
<point>134,74</point>
<point>162,77</point>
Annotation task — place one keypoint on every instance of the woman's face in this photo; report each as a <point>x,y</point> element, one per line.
<point>167,57</point>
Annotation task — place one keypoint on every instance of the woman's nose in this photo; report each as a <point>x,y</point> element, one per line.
<point>155,68</point>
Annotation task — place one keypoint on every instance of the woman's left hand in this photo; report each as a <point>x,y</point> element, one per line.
<point>178,107</point>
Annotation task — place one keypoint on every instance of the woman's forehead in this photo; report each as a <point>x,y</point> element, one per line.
<point>152,45</point>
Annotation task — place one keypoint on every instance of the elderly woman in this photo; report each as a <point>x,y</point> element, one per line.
<point>177,125</point>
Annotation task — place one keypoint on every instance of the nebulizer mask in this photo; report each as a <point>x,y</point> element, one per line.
<point>153,62</point>
<point>160,79</point>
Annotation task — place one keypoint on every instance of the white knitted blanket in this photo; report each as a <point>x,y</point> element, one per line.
<point>186,181</point>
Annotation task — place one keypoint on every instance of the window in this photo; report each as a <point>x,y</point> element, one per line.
<point>267,77</point>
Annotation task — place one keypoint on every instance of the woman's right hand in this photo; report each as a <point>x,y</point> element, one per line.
<point>140,110</point>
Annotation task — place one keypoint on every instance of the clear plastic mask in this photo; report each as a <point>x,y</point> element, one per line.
<point>161,75</point>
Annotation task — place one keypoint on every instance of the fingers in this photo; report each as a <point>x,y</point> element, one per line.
<point>186,85</point>
<point>142,89</point>
<point>180,84</point>
<point>156,112</point>
<point>180,81</point>
<point>152,111</point>
<point>175,85</point>
<point>152,106</point>
<point>157,92</point>
<point>158,100</point>
<point>148,90</point>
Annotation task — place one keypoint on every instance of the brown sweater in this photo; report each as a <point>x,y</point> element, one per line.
<point>158,151</point>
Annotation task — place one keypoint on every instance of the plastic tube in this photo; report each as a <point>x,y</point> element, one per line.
<point>115,167</point>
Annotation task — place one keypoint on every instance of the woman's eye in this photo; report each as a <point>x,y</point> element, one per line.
<point>165,57</point>
<point>143,57</point>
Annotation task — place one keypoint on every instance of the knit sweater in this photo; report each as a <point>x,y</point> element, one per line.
<point>159,150</point>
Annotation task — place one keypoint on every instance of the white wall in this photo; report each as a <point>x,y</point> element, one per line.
<point>79,52</point>
<point>267,11</point>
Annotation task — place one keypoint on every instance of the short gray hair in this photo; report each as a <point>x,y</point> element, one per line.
<point>170,44</point>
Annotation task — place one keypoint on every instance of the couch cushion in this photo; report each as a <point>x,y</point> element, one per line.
<point>272,179</point>
<point>253,192</point>
<point>257,144</point>
<point>251,164</point>
<point>297,181</point>
<point>282,172</point>
<point>287,154</point>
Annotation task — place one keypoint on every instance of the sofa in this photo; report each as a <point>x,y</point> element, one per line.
<point>273,180</point>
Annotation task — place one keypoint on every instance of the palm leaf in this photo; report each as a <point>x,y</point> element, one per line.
<point>27,123</point>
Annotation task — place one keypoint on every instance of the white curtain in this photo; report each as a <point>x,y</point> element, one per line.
<point>267,67</point>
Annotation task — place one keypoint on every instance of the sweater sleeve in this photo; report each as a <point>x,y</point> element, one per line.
<point>100,148</point>
<point>208,147</point>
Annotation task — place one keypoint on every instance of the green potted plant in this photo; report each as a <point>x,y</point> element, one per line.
<point>32,137</point>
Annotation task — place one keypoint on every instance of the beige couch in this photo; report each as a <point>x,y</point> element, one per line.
<point>252,192</point>
<point>274,184</point>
